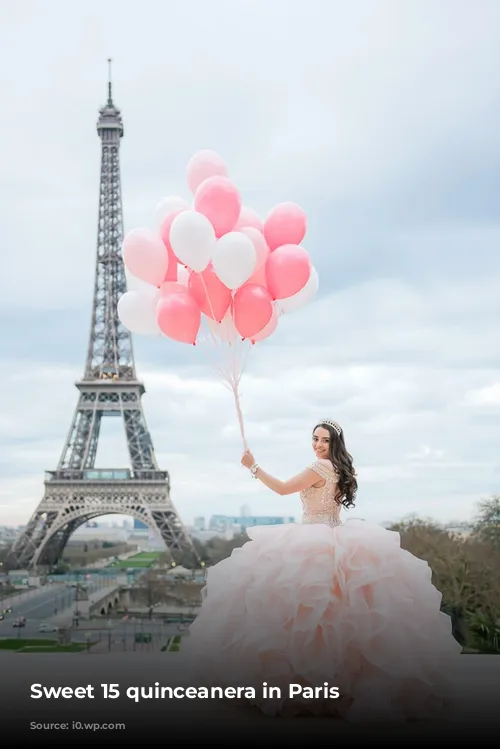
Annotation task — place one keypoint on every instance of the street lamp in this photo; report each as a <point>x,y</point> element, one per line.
<point>109,625</point>
<point>78,590</point>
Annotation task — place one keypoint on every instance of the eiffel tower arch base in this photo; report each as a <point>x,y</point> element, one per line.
<point>77,492</point>
<point>67,505</point>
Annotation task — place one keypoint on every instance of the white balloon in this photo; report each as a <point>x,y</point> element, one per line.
<point>302,297</point>
<point>234,259</point>
<point>192,237</point>
<point>224,329</point>
<point>183,274</point>
<point>137,311</point>
<point>167,206</point>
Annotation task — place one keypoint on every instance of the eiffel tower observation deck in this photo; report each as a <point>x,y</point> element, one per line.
<point>76,491</point>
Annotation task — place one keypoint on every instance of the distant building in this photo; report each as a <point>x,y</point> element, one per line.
<point>139,525</point>
<point>199,524</point>
<point>100,533</point>
<point>224,523</point>
<point>459,529</point>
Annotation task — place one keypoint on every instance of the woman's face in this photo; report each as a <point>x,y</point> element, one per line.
<point>321,442</point>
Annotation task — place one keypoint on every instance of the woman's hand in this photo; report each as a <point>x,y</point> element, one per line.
<point>247,459</point>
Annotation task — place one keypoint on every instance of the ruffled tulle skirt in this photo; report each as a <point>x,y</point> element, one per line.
<point>313,605</point>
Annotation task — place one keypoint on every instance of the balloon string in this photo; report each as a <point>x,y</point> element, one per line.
<point>214,339</point>
<point>232,379</point>
<point>234,388</point>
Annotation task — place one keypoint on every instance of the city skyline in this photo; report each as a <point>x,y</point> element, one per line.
<point>398,174</point>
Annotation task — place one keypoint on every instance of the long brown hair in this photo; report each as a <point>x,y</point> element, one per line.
<point>343,463</point>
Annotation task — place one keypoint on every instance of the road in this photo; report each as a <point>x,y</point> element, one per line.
<point>46,605</point>
<point>39,606</point>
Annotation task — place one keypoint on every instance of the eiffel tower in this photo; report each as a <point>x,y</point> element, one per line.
<point>76,491</point>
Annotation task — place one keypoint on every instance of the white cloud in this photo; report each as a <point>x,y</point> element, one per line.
<point>426,454</point>
<point>488,396</point>
<point>416,447</point>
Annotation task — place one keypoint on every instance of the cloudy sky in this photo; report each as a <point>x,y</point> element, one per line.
<point>381,119</point>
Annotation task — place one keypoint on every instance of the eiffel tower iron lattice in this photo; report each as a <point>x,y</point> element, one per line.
<point>76,491</point>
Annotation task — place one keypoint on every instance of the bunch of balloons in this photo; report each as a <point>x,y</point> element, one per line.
<point>216,260</point>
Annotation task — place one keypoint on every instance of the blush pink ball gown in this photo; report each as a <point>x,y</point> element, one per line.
<point>323,601</point>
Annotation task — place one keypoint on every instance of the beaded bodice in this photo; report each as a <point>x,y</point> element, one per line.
<point>318,503</point>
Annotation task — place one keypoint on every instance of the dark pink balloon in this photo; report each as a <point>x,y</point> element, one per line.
<point>287,271</point>
<point>171,275</point>
<point>286,224</point>
<point>219,201</point>
<point>212,296</point>
<point>252,309</point>
<point>179,316</point>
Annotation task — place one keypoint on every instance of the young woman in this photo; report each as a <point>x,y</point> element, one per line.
<point>325,603</point>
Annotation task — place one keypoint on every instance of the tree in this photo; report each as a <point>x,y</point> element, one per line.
<point>152,591</point>
<point>5,563</point>
<point>487,523</point>
<point>189,560</point>
<point>465,571</point>
<point>217,549</point>
<point>158,588</point>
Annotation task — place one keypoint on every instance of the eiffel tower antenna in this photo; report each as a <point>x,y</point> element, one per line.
<point>110,81</point>
<point>77,491</point>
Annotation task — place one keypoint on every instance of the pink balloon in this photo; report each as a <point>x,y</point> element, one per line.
<point>219,201</point>
<point>286,224</point>
<point>270,327</point>
<point>287,270</point>
<point>212,297</point>
<point>249,218</point>
<point>172,270</point>
<point>144,256</point>
<point>202,166</point>
<point>179,317</point>
<point>259,277</point>
<point>252,309</point>
<point>260,245</point>
<point>168,287</point>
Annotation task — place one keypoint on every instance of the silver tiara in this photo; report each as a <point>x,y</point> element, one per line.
<point>332,424</point>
